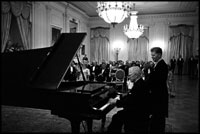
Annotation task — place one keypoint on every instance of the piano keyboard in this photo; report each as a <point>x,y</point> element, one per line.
<point>106,105</point>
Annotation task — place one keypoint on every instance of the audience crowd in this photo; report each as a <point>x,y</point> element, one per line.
<point>105,71</point>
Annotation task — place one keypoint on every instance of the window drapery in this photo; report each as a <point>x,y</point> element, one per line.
<point>138,48</point>
<point>181,43</point>
<point>21,10</point>
<point>24,31</point>
<point>99,44</point>
<point>5,28</point>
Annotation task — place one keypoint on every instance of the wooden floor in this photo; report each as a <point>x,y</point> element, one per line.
<point>183,114</point>
<point>184,108</point>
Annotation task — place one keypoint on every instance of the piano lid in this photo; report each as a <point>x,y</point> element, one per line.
<point>50,74</point>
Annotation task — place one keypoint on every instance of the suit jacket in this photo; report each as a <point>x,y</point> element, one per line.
<point>71,75</point>
<point>157,84</point>
<point>136,103</point>
<point>103,76</point>
<point>94,73</point>
<point>173,63</point>
<point>96,70</point>
<point>180,62</point>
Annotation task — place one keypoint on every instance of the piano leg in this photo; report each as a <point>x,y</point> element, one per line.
<point>89,125</point>
<point>103,123</point>
<point>75,125</point>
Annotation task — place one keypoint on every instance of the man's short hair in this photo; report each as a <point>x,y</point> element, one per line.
<point>157,50</point>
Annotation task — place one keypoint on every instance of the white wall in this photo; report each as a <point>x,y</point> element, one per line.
<point>55,14</point>
<point>39,25</point>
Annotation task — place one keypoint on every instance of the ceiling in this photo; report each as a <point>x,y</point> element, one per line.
<point>143,8</point>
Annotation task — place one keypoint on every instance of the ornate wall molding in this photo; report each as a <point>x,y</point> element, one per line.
<point>173,15</point>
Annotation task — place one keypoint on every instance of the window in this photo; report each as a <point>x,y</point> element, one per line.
<point>56,31</point>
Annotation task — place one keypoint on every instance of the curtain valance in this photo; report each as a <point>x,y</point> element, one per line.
<point>185,30</point>
<point>17,8</point>
<point>99,32</point>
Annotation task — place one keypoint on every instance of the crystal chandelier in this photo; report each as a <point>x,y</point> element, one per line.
<point>113,12</point>
<point>133,30</point>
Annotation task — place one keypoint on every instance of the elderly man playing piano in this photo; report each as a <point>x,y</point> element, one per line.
<point>135,113</point>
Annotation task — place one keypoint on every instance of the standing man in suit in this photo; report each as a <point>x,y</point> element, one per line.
<point>173,64</point>
<point>191,66</point>
<point>157,84</point>
<point>180,62</point>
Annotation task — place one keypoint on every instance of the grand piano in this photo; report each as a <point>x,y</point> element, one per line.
<point>34,78</point>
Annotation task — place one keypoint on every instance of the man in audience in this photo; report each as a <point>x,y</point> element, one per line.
<point>180,62</point>
<point>85,57</point>
<point>157,84</point>
<point>72,72</point>
<point>104,73</point>
<point>173,64</point>
<point>135,113</point>
<point>191,66</point>
<point>94,70</point>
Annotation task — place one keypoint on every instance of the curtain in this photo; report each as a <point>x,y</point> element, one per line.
<point>138,48</point>
<point>5,24</point>
<point>20,10</point>
<point>23,13</point>
<point>99,44</point>
<point>181,43</point>
<point>24,31</point>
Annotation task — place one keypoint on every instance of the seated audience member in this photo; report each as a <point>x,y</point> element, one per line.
<point>94,71</point>
<point>121,65</point>
<point>104,73</point>
<point>86,63</point>
<point>85,57</point>
<point>86,73</point>
<point>72,73</point>
<point>9,47</point>
<point>135,113</point>
<point>13,47</point>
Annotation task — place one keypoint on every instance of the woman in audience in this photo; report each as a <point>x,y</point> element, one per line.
<point>86,73</point>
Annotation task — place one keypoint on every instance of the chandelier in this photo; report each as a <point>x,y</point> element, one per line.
<point>113,12</point>
<point>133,30</point>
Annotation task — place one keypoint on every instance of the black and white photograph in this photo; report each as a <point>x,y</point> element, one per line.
<point>100,67</point>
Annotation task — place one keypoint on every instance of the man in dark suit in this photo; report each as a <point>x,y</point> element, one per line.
<point>72,73</point>
<point>135,113</point>
<point>157,85</point>
<point>173,64</point>
<point>180,62</point>
<point>191,66</point>
<point>104,73</point>
<point>94,71</point>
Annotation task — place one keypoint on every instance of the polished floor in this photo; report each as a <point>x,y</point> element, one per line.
<point>184,107</point>
<point>183,114</point>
